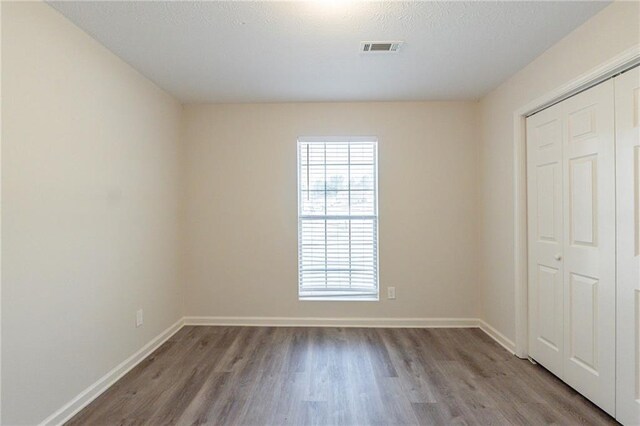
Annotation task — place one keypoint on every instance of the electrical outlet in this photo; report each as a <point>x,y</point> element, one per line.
<point>391,292</point>
<point>139,317</point>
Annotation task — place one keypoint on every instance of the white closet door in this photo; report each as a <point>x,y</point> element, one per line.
<point>627,103</point>
<point>571,220</point>
<point>544,192</point>
<point>590,244</point>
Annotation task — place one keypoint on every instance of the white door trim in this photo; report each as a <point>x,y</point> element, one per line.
<point>626,59</point>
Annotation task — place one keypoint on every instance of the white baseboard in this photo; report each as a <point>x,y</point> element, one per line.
<point>92,392</point>
<point>335,322</point>
<point>497,336</point>
<point>500,338</point>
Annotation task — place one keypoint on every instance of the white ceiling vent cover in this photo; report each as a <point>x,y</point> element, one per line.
<point>380,46</point>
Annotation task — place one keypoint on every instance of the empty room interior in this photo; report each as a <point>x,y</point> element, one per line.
<point>322,212</point>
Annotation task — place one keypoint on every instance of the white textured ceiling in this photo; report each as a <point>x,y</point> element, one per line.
<point>309,51</point>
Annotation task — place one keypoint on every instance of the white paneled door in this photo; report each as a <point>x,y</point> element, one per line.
<point>627,106</point>
<point>589,244</point>
<point>571,212</point>
<point>544,180</point>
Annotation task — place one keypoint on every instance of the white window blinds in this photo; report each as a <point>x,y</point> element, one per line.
<point>338,218</point>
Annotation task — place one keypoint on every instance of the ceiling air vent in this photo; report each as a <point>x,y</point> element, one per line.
<point>380,46</point>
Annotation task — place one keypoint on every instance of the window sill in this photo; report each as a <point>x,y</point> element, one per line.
<point>339,299</point>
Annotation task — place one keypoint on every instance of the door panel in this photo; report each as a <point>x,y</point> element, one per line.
<point>627,104</point>
<point>584,200</point>
<point>583,343</point>
<point>582,123</point>
<point>589,244</point>
<point>544,162</point>
<point>548,176</point>
<point>549,298</point>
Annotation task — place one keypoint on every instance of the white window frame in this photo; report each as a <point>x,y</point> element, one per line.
<point>347,296</point>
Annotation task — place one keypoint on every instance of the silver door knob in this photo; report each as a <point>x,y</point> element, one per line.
<point>558,256</point>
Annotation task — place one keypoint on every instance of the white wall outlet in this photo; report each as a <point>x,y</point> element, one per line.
<point>391,292</point>
<point>139,317</point>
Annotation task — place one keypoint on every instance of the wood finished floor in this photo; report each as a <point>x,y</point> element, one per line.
<point>336,376</point>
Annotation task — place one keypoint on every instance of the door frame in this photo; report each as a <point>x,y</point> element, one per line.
<point>625,60</point>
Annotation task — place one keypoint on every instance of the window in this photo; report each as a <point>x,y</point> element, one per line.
<point>337,219</point>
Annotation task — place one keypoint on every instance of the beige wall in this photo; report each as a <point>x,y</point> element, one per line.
<point>89,218</point>
<point>607,34</point>
<point>242,207</point>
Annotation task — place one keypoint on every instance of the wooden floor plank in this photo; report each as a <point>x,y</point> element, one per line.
<point>336,376</point>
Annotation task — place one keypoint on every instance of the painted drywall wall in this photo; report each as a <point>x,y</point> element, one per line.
<point>89,195</point>
<point>241,211</point>
<point>607,34</point>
